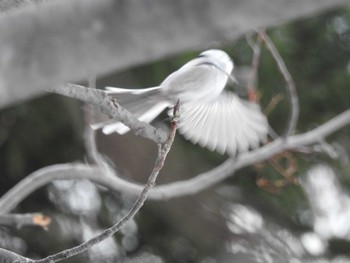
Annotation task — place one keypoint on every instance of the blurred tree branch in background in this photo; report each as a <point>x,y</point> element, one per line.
<point>192,186</point>
<point>46,43</point>
<point>69,40</point>
<point>163,150</point>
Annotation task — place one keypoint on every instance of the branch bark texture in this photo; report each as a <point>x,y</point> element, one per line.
<point>103,102</point>
<point>68,40</point>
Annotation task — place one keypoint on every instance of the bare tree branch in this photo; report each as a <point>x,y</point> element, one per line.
<point>30,182</point>
<point>39,178</point>
<point>251,84</point>
<point>11,257</point>
<point>291,90</point>
<point>103,102</point>
<point>68,45</point>
<point>172,190</point>
<point>89,133</point>
<point>227,169</point>
<point>67,40</point>
<point>90,145</point>
<point>163,150</point>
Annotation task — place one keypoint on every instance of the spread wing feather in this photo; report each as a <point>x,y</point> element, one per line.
<point>226,124</point>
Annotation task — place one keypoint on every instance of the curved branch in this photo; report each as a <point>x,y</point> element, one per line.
<point>171,190</point>
<point>163,150</point>
<point>42,177</point>
<point>9,256</point>
<point>290,88</point>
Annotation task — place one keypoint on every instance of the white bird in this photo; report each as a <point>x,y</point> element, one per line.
<point>209,116</point>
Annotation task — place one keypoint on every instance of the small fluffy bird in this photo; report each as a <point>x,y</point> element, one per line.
<point>209,116</point>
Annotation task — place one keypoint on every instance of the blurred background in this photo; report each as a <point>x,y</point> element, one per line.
<point>254,216</point>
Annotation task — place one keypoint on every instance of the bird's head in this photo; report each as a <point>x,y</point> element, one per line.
<point>219,59</point>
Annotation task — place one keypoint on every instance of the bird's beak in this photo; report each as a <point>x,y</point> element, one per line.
<point>233,79</point>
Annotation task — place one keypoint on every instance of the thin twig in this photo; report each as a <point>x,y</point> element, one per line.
<point>163,150</point>
<point>273,103</point>
<point>172,190</point>
<point>252,80</point>
<point>90,145</point>
<point>94,157</point>
<point>290,87</point>
<point>89,133</point>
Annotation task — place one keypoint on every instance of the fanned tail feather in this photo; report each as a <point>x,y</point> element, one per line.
<point>143,103</point>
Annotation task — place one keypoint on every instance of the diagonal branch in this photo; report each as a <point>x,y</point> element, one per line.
<point>103,102</point>
<point>7,256</point>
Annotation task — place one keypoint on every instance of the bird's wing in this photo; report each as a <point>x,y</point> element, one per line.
<point>227,124</point>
